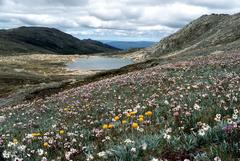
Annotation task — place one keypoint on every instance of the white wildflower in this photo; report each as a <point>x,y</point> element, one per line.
<point>154,159</point>
<point>40,152</point>
<point>166,136</point>
<point>2,119</point>
<point>225,108</point>
<point>140,129</point>
<point>199,123</point>
<point>133,150</point>
<point>102,154</point>
<point>235,111</point>
<point>217,117</point>
<point>144,107</point>
<point>74,140</point>
<point>205,127</point>
<point>18,159</point>
<point>144,146</point>
<point>22,147</point>
<point>128,141</point>
<point>107,138</point>
<point>67,155</point>
<point>169,130</point>
<point>44,159</point>
<point>235,125</point>
<point>6,154</point>
<point>72,150</point>
<point>234,116</point>
<point>229,121</point>
<point>50,141</point>
<point>217,159</point>
<point>29,136</point>
<point>201,132</point>
<point>90,157</point>
<point>196,107</point>
<point>11,144</point>
<point>166,102</point>
<point>138,106</point>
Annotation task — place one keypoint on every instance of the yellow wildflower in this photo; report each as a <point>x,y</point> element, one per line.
<point>134,125</point>
<point>105,126</point>
<point>36,134</point>
<point>45,145</point>
<point>15,141</point>
<point>141,119</point>
<point>61,132</point>
<point>116,118</point>
<point>132,113</point>
<point>124,121</point>
<point>148,113</point>
<point>110,126</point>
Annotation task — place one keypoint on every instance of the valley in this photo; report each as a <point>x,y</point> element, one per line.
<point>32,75</point>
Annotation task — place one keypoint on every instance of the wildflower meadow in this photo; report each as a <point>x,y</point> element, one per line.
<point>187,110</point>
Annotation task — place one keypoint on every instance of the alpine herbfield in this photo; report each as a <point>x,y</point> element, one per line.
<point>186,110</point>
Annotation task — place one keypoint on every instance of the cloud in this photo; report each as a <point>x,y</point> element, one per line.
<point>219,4</point>
<point>111,19</point>
<point>41,3</point>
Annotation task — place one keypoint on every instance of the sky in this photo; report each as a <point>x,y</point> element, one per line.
<point>126,20</point>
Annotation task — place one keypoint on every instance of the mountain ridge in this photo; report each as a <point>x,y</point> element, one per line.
<point>125,45</point>
<point>205,35</point>
<point>47,40</point>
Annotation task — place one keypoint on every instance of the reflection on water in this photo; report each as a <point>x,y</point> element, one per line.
<point>99,63</point>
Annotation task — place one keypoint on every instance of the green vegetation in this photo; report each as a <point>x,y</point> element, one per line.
<point>186,110</point>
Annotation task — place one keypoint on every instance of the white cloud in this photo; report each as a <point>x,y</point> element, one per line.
<point>216,4</point>
<point>107,19</point>
<point>170,15</point>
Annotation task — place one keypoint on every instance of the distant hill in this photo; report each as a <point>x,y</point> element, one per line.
<point>47,40</point>
<point>125,45</point>
<point>205,35</point>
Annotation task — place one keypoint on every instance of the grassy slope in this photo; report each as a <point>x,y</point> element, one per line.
<point>184,98</point>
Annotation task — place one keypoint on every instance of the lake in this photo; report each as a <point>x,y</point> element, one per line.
<point>99,63</point>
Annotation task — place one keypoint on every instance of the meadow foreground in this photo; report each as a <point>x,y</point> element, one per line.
<point>188,110</point>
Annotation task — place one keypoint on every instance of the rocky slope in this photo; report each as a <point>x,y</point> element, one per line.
<point>207,34</point>
<point>46,40</point>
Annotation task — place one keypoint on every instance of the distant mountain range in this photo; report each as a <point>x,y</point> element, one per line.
<point>125,45</point>
<point>207,34</point>
<point>47,40</point>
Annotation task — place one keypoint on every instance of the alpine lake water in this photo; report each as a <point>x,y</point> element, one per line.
<point>99,63</point>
